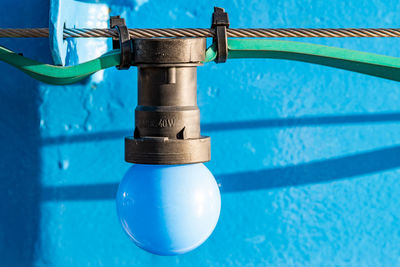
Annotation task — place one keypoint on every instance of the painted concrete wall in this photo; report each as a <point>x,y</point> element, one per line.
<point>307,156</point>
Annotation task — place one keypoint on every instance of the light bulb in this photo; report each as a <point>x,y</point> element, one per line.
<point>168,209</point>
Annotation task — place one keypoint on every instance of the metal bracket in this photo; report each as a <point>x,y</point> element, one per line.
<point>123,42</point>
<point>220,22</point>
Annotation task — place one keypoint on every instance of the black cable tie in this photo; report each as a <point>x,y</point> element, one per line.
<point>220,22</point>
<point>122,42</point>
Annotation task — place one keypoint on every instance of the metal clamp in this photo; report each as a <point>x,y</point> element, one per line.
<point>220,22</point>
<point>123,42</point>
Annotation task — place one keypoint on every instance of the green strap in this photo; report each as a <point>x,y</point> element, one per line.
<point>367,63</point>
<point>362,62</point>
<point>56,74</point>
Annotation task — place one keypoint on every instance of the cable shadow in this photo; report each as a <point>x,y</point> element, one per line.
<point>313,172</point>
<point>295,175</point>
<point>303,121</point>
<point>80,192</point>
<point>240,125</point>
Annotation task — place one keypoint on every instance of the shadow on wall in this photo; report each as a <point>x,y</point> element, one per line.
<point>313,172</point>
<point>294,175</point>
<point>239,125</point>
<point>20,142</point>
<point>19,168</point>
<point>128,3</point>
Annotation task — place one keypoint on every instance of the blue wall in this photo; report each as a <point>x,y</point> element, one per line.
<point>307,157</point>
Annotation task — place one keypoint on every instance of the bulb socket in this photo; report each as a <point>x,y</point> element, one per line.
<point>167,118</point>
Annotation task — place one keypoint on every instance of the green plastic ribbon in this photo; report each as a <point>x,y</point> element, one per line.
<point>362,62</point>
<point>56,74</point>
<point>368,63</point>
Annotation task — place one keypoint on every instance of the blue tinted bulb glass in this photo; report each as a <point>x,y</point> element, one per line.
<point>168,209</point>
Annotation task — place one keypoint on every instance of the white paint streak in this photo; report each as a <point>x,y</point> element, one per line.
<point>258,239</point>
<point>139,3</point>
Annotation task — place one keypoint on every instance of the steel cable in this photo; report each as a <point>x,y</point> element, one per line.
<point>199,32</point>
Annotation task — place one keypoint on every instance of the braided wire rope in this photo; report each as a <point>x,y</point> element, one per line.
<point>203,32</point>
